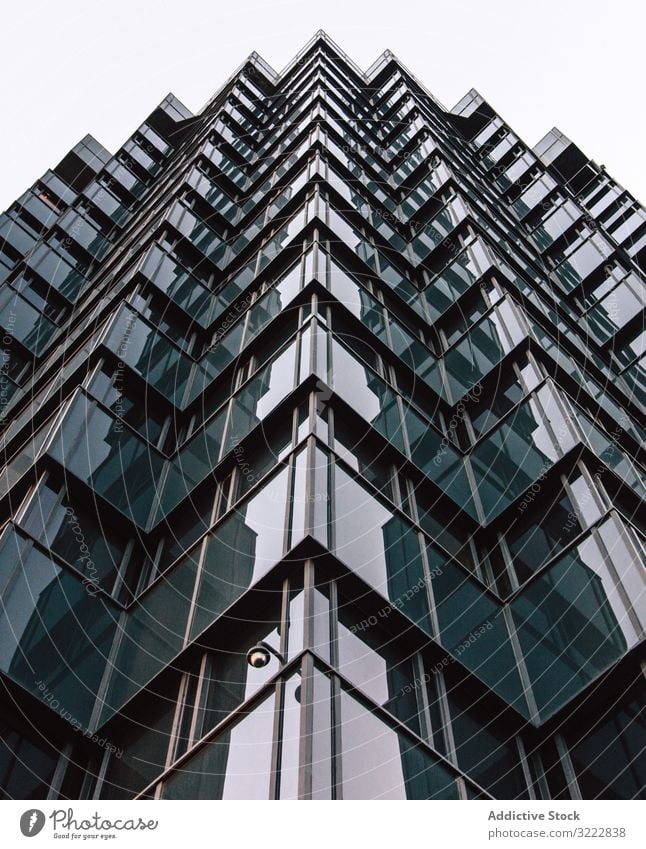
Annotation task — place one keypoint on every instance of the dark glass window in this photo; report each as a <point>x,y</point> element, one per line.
<point>234,765</point>
<point>26,766</point>
<point>380,763</point>
<point>143,743</point>
<point>369,658</point>
<point>485,748</point>
<point>610,762</point>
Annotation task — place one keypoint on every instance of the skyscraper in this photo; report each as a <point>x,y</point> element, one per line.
<point>331,373</point>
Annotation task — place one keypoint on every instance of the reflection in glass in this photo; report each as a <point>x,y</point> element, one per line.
<point>380,763</point>
<point>54,634</point>
<point>369,660</point>
<point>234,765</point>
<point>380,547</point>
<point>290,739</point>
<point>572,624</point>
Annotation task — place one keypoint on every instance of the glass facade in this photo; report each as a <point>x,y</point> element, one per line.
<point>332,368</point>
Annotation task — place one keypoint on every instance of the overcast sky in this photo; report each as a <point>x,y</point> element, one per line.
<point>76,66</point>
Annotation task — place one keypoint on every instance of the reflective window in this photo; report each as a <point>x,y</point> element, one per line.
<point>75,533</point>
<point>507,461</point>
<point>380,547</point>
<point>234,765</point>
<point>369,659</point>
<point>291,740</point>
<point>143,743</point>
<point>26,765</point>
<point>473,628</point>
<point>54,635</point>
<point>485,747</point>
<point>534,541</point>
<point>367,394</point>
<point>230,679</point>
<point>240,550</point>
<point>572,624</point>
<point>610,761</point>
<point>101,462</point>
<point>380,763</point>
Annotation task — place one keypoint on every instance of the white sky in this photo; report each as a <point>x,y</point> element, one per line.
<point>100,66</point>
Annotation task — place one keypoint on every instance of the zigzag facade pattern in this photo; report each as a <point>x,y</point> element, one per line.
<point>330,366</point>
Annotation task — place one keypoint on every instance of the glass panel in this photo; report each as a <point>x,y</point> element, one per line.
<point>290,739</point>
<point>54,635</point>
<point>485,747</point>
<point>151,637</point>
<point>322,762</point>
<point>230,679</point>
<point>77,535</point>
<point>533,542</point>
<point>572,624</point>
<point>482,348</point>
<point>143,747</point>
<point>242,548</point>
<point>379,763</point>
<point>261,394</point>
<point>149,353</point>
<point>234,765</point>
<point>101,461</point>
<point>610,762</point>
<point>515,455</point>
<point>473,628</point>
<point>380,548</point>
<point>368,659</point>
<point>367,394</point>
<point>25,323</point>
<point>26,766</point>
<point>321,496</point>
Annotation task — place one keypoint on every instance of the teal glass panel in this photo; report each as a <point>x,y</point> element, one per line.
<point>436,457</point>
<point>401,341</point>
<point>610,453</point>
<point>201,236</point>
<point>150,354</point>
<point>144,747</point>
<point>152,634</point>
<point>102,460</point>
<point>512,458</point>
<point>367,394</point>
<point>24,322</point>
<point>242,549</point>
<point>230,679</point>
<point>261,394</point>
<point>75,534</point>
<point>55,635</point>
<point>369,660</point>
<point>473,628</point>
<point>194,461</point>
<point>399,284</point>
<point>437,229</point>
<point>609,761</point>
<point>380,763</point>
<point>572,624</point>
<point>179,284</point>
<point>483,347</point>
<point>85,234</point>
<point>380,547</point>
<point>484,744</point>
<point>236,764</point>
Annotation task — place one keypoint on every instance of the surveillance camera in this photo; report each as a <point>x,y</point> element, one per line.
<point>258,656</point>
